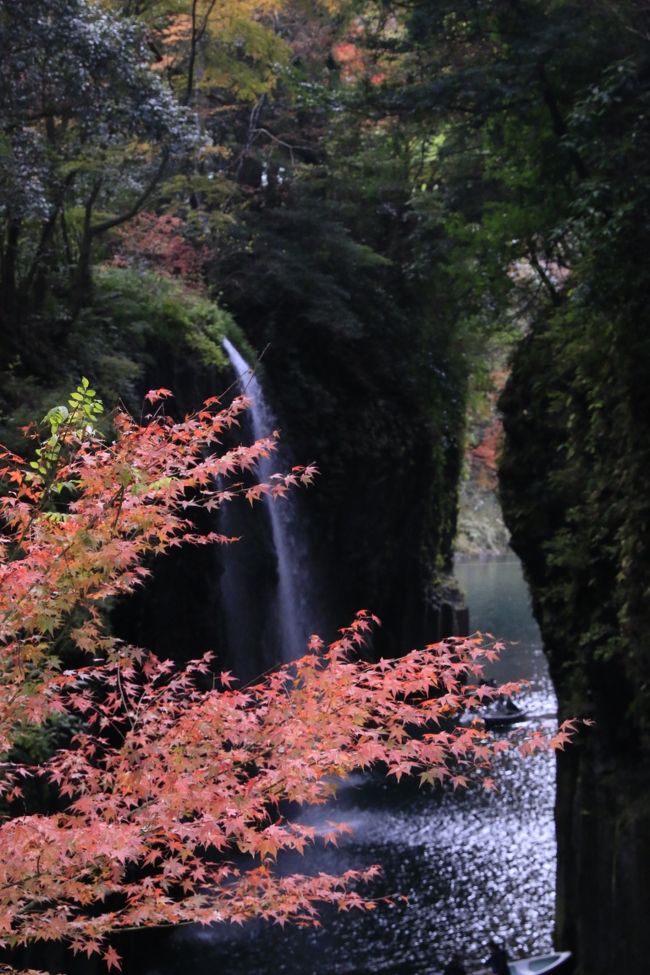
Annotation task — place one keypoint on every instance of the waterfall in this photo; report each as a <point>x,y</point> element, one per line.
<point>293,621</point>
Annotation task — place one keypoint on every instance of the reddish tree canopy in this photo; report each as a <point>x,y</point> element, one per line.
<point>168,776</point>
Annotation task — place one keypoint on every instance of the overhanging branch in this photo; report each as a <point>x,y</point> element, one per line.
<point>120,218</point>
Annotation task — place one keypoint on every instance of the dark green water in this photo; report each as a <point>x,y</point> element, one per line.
<point>472,865</point>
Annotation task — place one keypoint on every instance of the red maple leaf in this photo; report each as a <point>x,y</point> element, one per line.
<point>112,958</point>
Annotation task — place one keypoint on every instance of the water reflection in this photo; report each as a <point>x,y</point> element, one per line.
<point>473,865</point>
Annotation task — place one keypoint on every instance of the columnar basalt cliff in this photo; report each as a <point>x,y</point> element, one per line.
<point>378,524</point>
<point>574,487</point>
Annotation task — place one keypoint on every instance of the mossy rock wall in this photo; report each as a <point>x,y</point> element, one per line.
<point>381,515</point>
<point>603,822</point>
<point>574,486</point>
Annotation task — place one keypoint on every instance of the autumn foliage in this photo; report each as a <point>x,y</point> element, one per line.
<point>173,791</point>
<point>158,242</point>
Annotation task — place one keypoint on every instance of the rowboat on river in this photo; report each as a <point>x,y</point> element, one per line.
<point>500,713</point>
<point>538,965</point>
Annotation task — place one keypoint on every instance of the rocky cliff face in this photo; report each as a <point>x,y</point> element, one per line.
<point>574,488</point>
<point>378,523</point>
<point>381,516</point>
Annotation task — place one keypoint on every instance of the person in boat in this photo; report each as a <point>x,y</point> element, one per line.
<point>506,705</point>
<point>501,702</point>
<point>498,960</point>
<point>455,966</point>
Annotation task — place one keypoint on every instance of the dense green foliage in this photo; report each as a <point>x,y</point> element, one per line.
<point>140,326</point>
<point>540,180</point>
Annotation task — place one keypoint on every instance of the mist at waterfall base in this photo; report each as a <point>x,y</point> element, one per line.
<point>472,865</point>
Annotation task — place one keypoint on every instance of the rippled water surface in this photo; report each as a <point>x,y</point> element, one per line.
<point>472,865</point>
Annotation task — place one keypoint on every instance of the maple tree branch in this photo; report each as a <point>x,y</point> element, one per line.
<point>196,772</point>
<point>125,702</point>
<point>116,221</point>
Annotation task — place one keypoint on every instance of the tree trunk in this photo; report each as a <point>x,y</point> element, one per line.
<point>8,264</point>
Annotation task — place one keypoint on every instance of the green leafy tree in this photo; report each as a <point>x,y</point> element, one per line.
<point>88,130</point>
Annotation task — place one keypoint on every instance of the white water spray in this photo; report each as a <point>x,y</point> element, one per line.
<point>292,602</point>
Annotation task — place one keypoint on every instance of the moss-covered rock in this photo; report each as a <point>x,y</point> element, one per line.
<point>574,480</point>
<point>142,329</point>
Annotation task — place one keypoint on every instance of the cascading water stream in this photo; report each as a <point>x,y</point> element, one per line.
<point>294,619</point>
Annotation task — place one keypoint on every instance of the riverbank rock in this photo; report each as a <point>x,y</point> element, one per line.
<point>481,528</point>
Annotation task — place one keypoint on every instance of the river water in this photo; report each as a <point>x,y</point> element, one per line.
<point>472,865</point>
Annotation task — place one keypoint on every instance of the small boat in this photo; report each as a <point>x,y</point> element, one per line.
<point>539,964</point>
<point>499,713</point>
